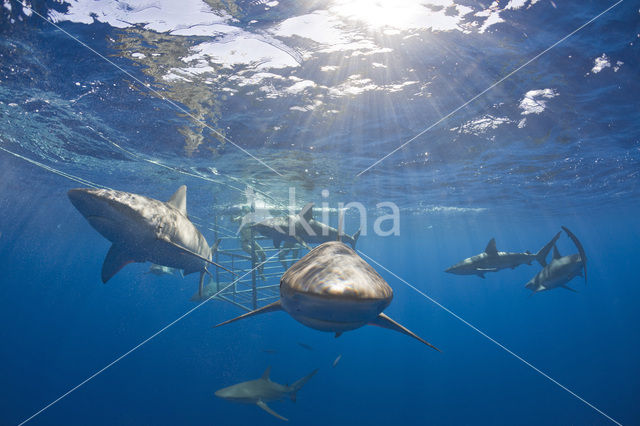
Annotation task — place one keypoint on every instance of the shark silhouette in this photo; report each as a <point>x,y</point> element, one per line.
<point>263,390</point>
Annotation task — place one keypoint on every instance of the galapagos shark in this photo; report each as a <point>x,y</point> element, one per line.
<point>144,229</point>
<point>301,228</point>
<point>561,269</point>
<point>492,260</point>
<point>333,289</point>
<point>263,390</point>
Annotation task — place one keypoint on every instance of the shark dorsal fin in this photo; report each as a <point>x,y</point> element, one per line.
<point>266,374</point>
<point>307,212</point>
<point>491,248</point>
<point>179,200</point>
<point>556,252</point>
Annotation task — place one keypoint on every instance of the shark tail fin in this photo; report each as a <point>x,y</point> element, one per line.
<point>298,384</point>
<point>354,239</point>
<point>385,322</point>
<point>583,255</point>
<point>275,306</point>
<point>541,255</point>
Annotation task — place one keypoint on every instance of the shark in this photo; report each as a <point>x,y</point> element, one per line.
<point>163,270</point>
<point>492,260</point>
<point>301,228</point>
<point>143,229</point>
<point>561,269</point>
<point>332,289</point>
<point>263,390</point>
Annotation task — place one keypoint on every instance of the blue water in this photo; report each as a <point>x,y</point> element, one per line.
<point>502,166</point>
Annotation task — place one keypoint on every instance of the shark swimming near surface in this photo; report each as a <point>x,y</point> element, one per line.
<point>492,260</point>
<point>143,229</point>
<point>333,289</point>
<point>301,228</point>
<point>561,269</point>
<point>263,390</point>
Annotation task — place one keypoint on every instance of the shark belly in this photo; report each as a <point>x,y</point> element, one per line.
<point>331,314</point>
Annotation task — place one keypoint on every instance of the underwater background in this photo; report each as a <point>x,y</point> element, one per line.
<point>145,96</point>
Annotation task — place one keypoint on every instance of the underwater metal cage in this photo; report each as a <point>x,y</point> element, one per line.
<point>257,267</point>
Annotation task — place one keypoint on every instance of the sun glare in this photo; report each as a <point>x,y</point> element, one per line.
<point>440,15</point>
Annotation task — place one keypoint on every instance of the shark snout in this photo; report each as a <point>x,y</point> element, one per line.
<point>452,270</point>
<point>87,201</point>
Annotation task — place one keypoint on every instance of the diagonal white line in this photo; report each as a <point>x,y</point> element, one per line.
<point>500,345</point>
<point>151,89</point>
<point>139,345</point>
<point>489,88</point>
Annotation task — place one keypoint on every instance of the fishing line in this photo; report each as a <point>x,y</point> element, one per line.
<point>82,180</point>
<point>139,345</point>
<point>55,171</point>
<point>500,345</point>
<point>148,86</point>
<point>205,178</point>
<point>177,170</point>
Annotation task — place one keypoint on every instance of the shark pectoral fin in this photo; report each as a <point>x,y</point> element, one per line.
<point>201,283</point>
<point>481,274</point>
<point>116,259</point>
<point>385,322</point>
<point>302,243</point>
<point>568,288</point>
<point>275,306</point>
<point>266,408</point>
<point>338,334</point>
<point>277,242</point>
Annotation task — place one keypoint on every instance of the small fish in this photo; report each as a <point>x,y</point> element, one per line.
<point>304,345</point>
<point>336,361</point>
<point>270,351</point>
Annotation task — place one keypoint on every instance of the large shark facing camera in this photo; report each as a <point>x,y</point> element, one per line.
<point>143,229</point>
<point>333,289</point>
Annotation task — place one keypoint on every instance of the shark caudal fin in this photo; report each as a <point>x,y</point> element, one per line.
<point>275,306</point>
<point>385,322</point>
<point>354,239</point>
<point>298,384</point>
<point>583,255</point>
<point>541,255</point>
